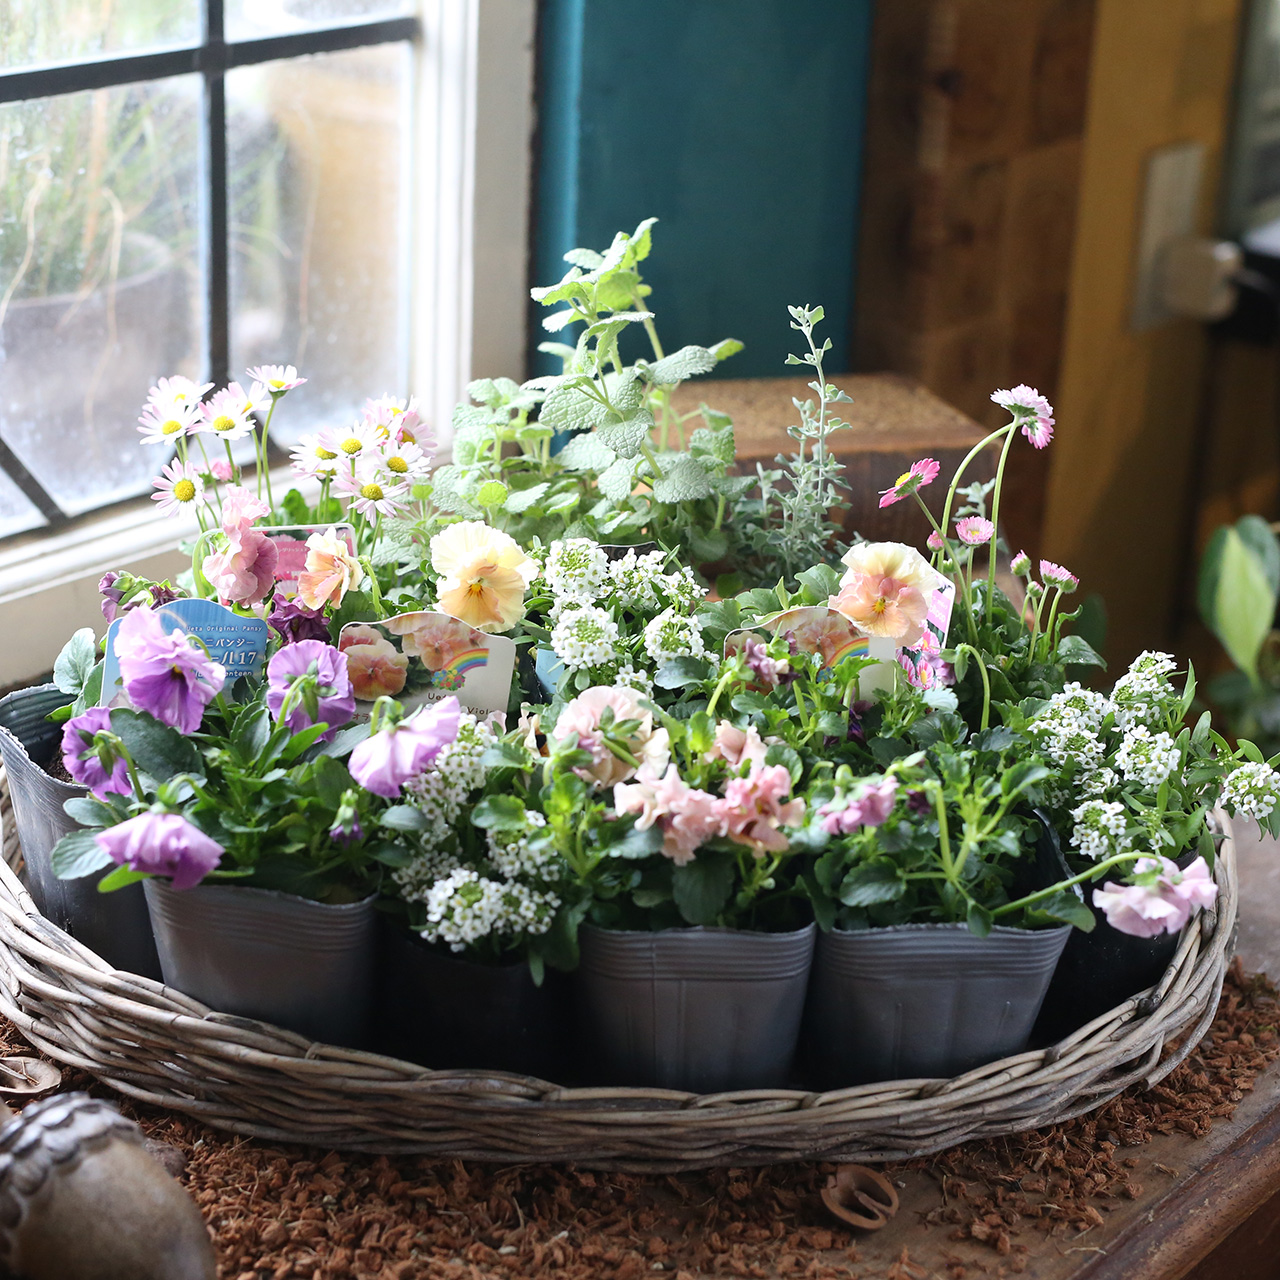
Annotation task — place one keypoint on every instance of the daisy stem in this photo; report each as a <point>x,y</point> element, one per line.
<point>962,579</point>
<point>995,511</point>
<point>226,444</point>
<point>986,683</point>
<point>264,472</point>
<point>1048,628</point>
<point>963,467</point>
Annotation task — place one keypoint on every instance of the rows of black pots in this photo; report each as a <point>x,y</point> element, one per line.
<point>704,1010</point>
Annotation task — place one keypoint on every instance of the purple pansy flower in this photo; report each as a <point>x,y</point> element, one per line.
<point>163,673</point>
<point>111,595</point>
<point>328,697</point>
<point>82,758</point>
<point>162,844</point>
<point>384,762</point>
<point>294,621</point>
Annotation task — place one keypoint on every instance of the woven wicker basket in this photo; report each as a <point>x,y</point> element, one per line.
<point>156,1045</point>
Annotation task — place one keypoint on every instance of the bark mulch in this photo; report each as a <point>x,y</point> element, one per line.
<point>281,1212</point>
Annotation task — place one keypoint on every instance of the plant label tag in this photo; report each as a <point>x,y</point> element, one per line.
<point>291,543</point>
<point>426,656</point>
<point>921,662</point>
<point>618,551</point>
<point>239,643</point>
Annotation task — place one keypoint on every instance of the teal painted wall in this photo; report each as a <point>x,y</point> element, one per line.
<point>739,124</point>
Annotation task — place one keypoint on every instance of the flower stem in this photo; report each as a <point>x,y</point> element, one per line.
<point>995,511</point>
<point>1116,860</point>
<point>986,683</point>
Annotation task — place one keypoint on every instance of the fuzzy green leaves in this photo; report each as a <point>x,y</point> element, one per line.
<point>1239,585</point>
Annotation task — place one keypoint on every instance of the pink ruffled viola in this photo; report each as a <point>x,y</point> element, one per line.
<point>163,673</point>
<point>398,753</point>
<point>245,570</point>
<point>757,807</point>
<point>687,817</point>
<point>738,748</point>
<point>868,807</point>
<point>162,844</point>
<point>1162,905</point>
<point>584,716</point>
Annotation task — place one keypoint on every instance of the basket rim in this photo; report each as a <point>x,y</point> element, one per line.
<point>157,1045</point>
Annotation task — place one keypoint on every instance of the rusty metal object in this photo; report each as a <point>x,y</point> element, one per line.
<point>860,1196</point>
<point>80,1199</point>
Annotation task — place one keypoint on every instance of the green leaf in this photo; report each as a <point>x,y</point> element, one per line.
<point>979,920</point>
<point>520,500</point>
<point>500,813</point>
<point>1066,907</point>
<point>1256,534</point>
<point>75,663</point>
<point>682,673</point>
<point>504,755</point>
<point>1244,604</point>
<point>156,748</point>
<point>725,348</point>
<point>1076,651</point>
<point>404,817</point>
<point>491,494</point>
<point>120,878</point>
<point>636,843</point>
<point>356,606</point>
<point>78,854</point>
<point>701,888</point>
<point>585,452</point>
<point>628,436</point>
<point>617,480</point>
<point>569,408</point>
<point>344,741</point>
<point>89,811</point>
<point>685,479</point>
<point>819,583</point>
<point>780,753</point>
<point>717,444</point>
<point>688,362</point>
<point>706,545</point>
<point>878,880</point>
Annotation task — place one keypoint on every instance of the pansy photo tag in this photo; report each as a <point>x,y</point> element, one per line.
<point>291,543</point>
<point>426,656</point>
<point>921,662</point>
<point>239,643</point>
<point>820,629</point>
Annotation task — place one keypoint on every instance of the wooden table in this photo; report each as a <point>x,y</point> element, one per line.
<point>1210,1206</point>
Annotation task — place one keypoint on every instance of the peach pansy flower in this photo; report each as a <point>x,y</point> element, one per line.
<point>483,575</point>
<point>331,571</point>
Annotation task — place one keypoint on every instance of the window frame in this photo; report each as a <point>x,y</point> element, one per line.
<point>473,126</point>
<point>211,58</point>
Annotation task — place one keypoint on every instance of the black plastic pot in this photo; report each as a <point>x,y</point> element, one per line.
<point>1099,970</point>
<point>922,1000</point>
<point>299,964</point>
<point>705,1010</point>
<point>115,925</point>
<point>444,1011</point>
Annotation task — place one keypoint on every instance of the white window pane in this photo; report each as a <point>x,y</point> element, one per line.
<point>34,32</point>
<point>99,254</point>
<point>17,514</point>
<point>317,155</point>
<point>247,19</point>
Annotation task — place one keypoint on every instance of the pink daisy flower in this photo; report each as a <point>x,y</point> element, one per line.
<point>274,379</point>
<point>403,460</point>
<point>974,531</point>
<point>1031,410</point>
<point>354,443</point>
<point>1021,564</point>
<point>310,458</point>
<point>933,541</point>
<point>1055,575</point>
<point>172,409</point>
<point>228,414</point>
<point>178,486</point>
<point>372,492</point>
<point>921,473</point>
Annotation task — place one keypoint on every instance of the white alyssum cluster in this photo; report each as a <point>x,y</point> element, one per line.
<point>1099,829</point>
<point>673,635</point>
<point>1147,758</point>
<point>1251,791</point>
<point>635,579</point>
<point>1144,694</point>
<point>518,853</point>
<point>585,636</point>
<point>577,569</point>
<point>465,907</point>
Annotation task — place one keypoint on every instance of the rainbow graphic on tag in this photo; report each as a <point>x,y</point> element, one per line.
<point>425,656</point>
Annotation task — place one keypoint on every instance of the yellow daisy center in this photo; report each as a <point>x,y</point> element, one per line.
<point>171,427</point>
<point>398,465</point>
<point>407,437</point>
<point>371,491</point>
<point>351,446</point>
<point>277,382</point>
<point>184,490</point>
<point>224,423</point>
<point>324,455</point>
<point>902,479</point>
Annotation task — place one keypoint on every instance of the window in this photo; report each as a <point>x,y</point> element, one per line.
<point>192,186</point>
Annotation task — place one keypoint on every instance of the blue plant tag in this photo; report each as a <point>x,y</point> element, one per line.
<point>239,643</point>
